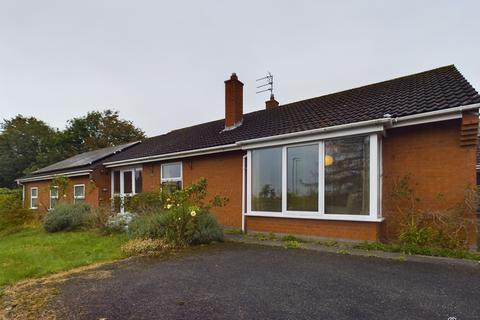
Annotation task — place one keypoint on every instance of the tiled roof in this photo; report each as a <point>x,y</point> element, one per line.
<point>432,90</point>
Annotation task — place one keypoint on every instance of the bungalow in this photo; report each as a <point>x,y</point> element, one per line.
<point>320,167</point>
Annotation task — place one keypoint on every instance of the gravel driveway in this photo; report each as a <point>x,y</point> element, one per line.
<point>238,281</point>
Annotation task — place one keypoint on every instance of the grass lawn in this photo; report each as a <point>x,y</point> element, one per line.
<point>33,252</point>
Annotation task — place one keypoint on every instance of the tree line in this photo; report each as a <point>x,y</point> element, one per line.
<point>28,144</point>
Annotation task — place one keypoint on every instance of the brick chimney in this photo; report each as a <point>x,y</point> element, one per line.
<point>233,102</point>
<point>272,103</point>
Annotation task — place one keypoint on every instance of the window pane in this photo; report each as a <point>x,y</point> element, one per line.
<point>127,182</point>
<point>53,202</point>
<point>302,178</point>
<point>79,191</point>
<point>116,182</point>
<point>267,180</point>
<point>34,192</point>
<point>54,192</point>
<point>138,181</point>
<point>347,176</point>
<point>34,203</point>
<point>171,186</point>
<point>171,170</point>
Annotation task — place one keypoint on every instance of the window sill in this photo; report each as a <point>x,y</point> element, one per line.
<point>337,217</point>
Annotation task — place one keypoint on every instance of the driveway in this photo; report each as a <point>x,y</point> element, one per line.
<point>238,281</point>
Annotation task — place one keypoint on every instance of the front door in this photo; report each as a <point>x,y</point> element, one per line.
<point>125,183</point>
<point>126,187</point>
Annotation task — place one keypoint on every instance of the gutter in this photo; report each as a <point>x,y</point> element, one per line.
<point>434,116</point>
<point>382,121</point>
<point>173,155</point>
<point>387,123</point>
<point>50,176</point>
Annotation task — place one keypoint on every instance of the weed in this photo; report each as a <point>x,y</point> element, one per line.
<point>233,231</point>
<point>292,244</point>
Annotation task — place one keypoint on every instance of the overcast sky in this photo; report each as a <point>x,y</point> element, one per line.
<point>162,65</point>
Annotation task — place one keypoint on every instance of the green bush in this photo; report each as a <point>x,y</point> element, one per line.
<point>12,214</point>
<point>204,229</point>
<point>415,235</point>
<point>150,226</point>
<point>145,203</point>
<point>184,219</point>
<point>66,217</point>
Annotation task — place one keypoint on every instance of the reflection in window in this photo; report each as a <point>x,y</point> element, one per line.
<point>347,176</point>
<point>116,182</point>
<point>53,197</point>
<point>302,178</point>
<point>171,176</point>
<point>79,193</point>
<point>138,180</point>
<point>267,180</point>
<point>127,182</point>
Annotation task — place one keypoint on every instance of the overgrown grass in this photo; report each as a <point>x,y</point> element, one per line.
<point>412,249</point>
<point>33,252</point>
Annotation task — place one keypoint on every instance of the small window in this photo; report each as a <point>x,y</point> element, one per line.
<point>79,193</point>
<point>171,176</point>
<point>53,197</point>
<point>34,198</point>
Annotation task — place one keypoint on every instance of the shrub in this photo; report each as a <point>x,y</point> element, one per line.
<point>145,203</point>
<point>411,224</point>
<point>12,214</point>
<point>184,219</point>
<point>99,217</point>
<point>204,229</point>
<point>66,217</point>
<point>150,226</point>
<point>148,247</point>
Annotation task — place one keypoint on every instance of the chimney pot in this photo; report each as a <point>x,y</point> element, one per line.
<point>272,103</point>
<point>233,102</point>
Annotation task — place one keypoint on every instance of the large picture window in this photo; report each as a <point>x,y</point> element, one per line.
<point>267,180</point>
<point>333,179</point>
<point>347,176</point>
<point>302,178</point>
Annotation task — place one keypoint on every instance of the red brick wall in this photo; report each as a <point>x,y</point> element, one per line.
<point>348,230</point>
<point>439,168</point>
<point>97,189</point>
<point>224,177</point>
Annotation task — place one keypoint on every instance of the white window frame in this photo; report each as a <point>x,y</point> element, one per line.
<point>32,197</point>
<point>84,192</point>
<point>162,180</point>
<point>57,197</point>
<point>122,193</point>
<point>374,183</point>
